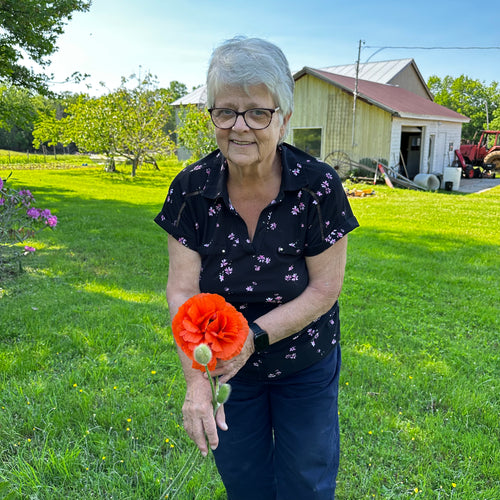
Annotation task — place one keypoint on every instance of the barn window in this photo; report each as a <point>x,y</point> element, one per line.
<point>309,140</point>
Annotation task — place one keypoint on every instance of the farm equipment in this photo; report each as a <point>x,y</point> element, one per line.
<point>481,159</point>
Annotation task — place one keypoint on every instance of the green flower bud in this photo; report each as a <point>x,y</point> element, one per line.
<point>202,354</point>
<point>223,393</point>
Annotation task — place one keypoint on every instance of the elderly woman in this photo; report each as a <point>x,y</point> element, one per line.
<point>264,225</point>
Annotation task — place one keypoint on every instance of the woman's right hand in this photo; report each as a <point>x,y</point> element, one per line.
<point>199,421</point>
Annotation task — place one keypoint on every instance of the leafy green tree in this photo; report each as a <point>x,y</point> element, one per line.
<point>89,124</point>
<point>495,117</point>
<point>195,131</point>
<point>469,97</point>
<point>31,27</point>
<point>127,122</point>
<point>17,113</point>
<point>142,114</point>
<point>48,130</point>
<point>173,92</point>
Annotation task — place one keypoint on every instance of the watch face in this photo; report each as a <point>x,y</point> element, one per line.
<point>261,338</point>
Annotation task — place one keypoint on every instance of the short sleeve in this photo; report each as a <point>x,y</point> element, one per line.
<point>176,216</point>
<point>330,216</point>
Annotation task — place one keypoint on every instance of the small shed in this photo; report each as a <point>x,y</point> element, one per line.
<point>370,120</point>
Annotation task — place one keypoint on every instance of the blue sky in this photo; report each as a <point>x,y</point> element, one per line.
<point>174,39</point>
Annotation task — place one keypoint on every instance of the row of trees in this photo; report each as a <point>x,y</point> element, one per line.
<point>135,121</point>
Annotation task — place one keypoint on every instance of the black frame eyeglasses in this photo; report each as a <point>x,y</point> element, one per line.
<point>255,118</point>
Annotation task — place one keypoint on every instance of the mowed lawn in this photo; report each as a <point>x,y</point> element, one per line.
<point>91,390</point>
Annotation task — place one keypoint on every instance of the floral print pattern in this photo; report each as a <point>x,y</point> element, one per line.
<point>310,213</point>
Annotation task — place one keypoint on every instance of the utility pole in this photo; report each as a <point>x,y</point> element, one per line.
<point>355,94</point>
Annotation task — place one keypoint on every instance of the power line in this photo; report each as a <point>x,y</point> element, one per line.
<point>432,48</point>
<point>379,49</point>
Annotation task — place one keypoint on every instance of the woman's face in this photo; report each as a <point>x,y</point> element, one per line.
<point>241,145</point>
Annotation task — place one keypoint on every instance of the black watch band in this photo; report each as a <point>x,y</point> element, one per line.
<point>260,337</point>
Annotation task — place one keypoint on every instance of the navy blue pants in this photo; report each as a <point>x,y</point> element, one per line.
<point>283,437</point>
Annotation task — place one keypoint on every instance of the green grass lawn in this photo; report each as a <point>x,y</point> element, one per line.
<point>91,389</point>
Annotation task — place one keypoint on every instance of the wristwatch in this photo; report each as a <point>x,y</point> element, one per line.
<point>260,337</point>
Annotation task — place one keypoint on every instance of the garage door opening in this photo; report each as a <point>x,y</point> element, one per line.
<point>411,145</point>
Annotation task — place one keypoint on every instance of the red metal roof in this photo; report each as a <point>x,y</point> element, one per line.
<point>393,99</point>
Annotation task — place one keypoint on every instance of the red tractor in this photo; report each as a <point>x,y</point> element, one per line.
<point>481,159</point>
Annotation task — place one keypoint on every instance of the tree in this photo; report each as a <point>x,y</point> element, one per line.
<point>19,109</point>
<point>89,124</point>
<point>31,27</point>
<point>196,131</point>
<point>469,97</point>
<point>127,122</point>
<point>142,113</point>
<point>174,91</point>
<point>17,113</point>
<point>48,129</point>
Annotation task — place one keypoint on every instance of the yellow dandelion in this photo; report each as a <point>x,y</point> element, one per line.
<point>410,377</point>
<point>370,432</point>
<point>347,383</point>
<point>75,385</point>
<point>129,420</point>
<point>115,387</point>
<point>453,485</point>
<point>416,490</point>
<point>104,458</point>
<point>128,429</point>
<point>167,440</point>
<point>153,372</point>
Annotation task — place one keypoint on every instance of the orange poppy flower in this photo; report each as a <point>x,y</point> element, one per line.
<point>208,319</point>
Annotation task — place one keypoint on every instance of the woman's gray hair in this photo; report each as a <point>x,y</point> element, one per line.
<point>245,62</point>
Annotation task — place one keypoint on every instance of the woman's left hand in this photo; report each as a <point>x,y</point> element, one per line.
<point>226,370</point>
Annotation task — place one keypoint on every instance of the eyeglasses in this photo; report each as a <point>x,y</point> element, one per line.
<point>256,118</point>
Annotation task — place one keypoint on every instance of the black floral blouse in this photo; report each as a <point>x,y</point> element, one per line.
<point>310,213</point>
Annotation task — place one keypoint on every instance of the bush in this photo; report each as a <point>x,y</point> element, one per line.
<point>19,220</point>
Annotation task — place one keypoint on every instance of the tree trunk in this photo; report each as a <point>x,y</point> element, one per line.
<point>110,165</point>
<point>135,163</point>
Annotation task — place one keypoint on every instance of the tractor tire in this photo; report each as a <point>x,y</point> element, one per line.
<point>493,158</point>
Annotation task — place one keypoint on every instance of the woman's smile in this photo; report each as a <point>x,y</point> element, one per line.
<point>242,146</point>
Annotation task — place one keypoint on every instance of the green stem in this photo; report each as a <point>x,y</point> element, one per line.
<point>215,390</point>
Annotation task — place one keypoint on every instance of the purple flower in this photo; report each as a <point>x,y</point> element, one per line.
<point>2,201</point>
<point>34,213</point>
<point>1,183</point>
<point>29,249</point>
<point>45,213</point>
<point>52,221</point>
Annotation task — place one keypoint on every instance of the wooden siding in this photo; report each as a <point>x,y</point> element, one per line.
<point>319,104</point>
<point>409,80</point>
